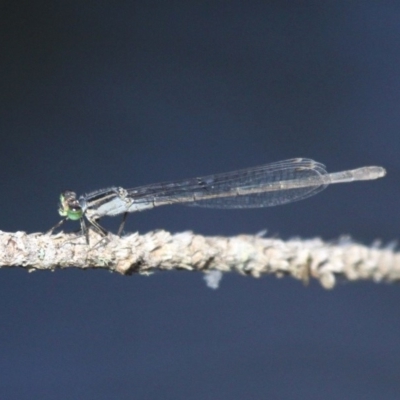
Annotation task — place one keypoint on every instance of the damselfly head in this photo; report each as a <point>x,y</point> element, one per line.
<point>69,206</point>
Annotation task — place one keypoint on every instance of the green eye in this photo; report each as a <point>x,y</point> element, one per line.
<point>74,214</point>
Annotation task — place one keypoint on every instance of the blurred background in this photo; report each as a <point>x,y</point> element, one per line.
<point>95,94</point>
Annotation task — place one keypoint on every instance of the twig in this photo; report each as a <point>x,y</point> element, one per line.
<point>160,250</point>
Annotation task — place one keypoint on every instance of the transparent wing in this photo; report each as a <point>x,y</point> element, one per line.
<point>267,185</point>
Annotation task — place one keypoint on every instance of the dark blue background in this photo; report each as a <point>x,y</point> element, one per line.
<point>94,94</point>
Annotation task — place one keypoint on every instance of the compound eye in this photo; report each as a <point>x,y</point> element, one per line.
<point>74,214</point>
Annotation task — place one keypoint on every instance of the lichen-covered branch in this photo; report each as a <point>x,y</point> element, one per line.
<point>245,254</point>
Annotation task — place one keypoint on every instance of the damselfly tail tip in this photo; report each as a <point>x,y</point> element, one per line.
<point>369,173</point>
